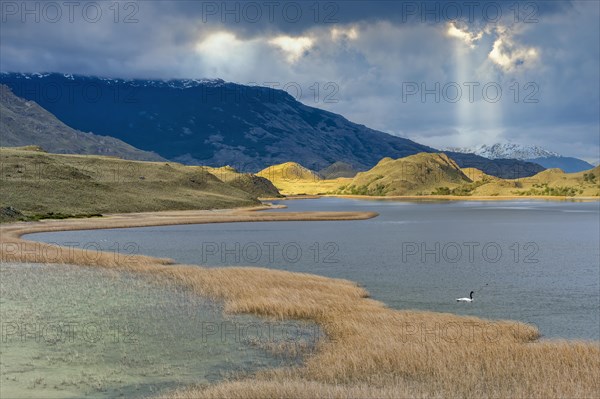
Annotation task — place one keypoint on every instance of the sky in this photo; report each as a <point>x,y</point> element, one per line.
<point>445,74</point>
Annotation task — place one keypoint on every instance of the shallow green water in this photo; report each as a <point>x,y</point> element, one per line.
<point>71,331</point>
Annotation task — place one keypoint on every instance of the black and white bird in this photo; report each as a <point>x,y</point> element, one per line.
<point>469,299</point>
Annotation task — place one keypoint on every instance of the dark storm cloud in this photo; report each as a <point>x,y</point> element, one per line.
<point>117,37</point>
<point>369,50</point>
<point>297,16</point>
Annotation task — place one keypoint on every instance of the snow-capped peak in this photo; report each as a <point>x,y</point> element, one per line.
<point>506,151</point>
<point>172,83</point>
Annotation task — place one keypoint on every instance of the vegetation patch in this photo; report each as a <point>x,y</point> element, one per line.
<point>589,177</point>
<point>462,190</point>
<point>52,215</point>
<point>378,189</point>
<point>10,214</point>
<point>544,190</point>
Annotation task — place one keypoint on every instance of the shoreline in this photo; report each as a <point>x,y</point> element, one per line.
<point>370,350</point>
<point>162,218</point>
<point>470,198</point>
<point>425,198</point>
<point>15,248</point>
<point>291,197</point>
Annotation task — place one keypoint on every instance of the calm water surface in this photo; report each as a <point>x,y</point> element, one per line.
<point>532,261</point>
<point>73,332</point>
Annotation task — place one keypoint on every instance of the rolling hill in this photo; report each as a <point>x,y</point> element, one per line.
<point>418,174</point>
<point>289,171</point>
<point>291,178</point>
<point>258,186</point>
<point>427,174</point>
<point>551,182</point>
<point>37,184</point>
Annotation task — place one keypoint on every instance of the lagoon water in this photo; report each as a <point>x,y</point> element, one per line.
<point>72,332</point>
<point>533,261</point>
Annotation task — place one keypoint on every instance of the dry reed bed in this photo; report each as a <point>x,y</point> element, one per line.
<point>370,350</point>
<point>13,248</point>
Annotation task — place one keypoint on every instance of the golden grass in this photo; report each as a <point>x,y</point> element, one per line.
<point>475,174</point>
<point>310,187</point>
<point>289,171</point>
<point>291,178</point>
<point>546,182</point>
<point>370,351</point>
<point>373,351</point>
<point>418,176</point>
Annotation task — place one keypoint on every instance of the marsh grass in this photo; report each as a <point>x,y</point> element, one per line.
<point>370,350</point>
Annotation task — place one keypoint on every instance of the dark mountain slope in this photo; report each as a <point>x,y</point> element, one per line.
<point>567,164</point>
<point>215,123</point>
<point>24,123</point>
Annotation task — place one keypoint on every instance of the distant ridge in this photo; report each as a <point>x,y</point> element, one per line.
<point>545,158</point>
<point>506,151</point>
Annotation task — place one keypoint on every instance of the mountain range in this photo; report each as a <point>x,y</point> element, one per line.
<point>216,123</point>
<point>531,153</point>
<point>24,123</point>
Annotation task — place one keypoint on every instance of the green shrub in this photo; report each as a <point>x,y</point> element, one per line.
<point>589,177</point>
<point>441,191</point>
<point>52,215</point>
<point>543,189</point>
